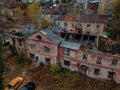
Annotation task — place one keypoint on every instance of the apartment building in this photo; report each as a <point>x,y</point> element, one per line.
<point>47,46</point>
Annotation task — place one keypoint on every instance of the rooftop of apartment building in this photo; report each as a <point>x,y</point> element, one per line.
<point>73,41</point>
<point>91,17</point>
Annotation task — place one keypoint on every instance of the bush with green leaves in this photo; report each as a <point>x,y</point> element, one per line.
<point>56,68</point>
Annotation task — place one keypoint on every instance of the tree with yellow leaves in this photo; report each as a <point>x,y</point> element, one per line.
<point>34,11</point>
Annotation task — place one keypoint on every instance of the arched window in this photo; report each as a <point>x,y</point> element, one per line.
<point>38,37</point>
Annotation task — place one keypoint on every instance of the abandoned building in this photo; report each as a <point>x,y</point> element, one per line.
<point>50,46</point>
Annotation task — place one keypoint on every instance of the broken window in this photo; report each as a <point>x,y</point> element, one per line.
<point>32,46</point>
<point>96,71</point>
<point>47,60</point>
<point>85,56</point>
<point>32,56</point>
<point>58,23</point>
<point>46,49</point>
<point>66,63</point>
<point>111,74</point>
<point>88,33</point>
<point>98,60</point>
<point>97,26</point>
<point>65,24</point>
<point>88,25</point>
<point>72,25</point>
<point>114,62</point>
<point>66,51</point>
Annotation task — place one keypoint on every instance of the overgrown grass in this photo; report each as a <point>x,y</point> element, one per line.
<point>66,80</point>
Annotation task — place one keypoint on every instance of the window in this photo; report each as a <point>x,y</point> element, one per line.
<point>85,56</point>
<point>65,24</point>
<point>46,49</point>
<point>66,51</point>
<point>47,60</point>
<point>88,25</point>
<point>97,26</point>
<point>32,55</point>
<point>110,74</point>
<point>72,25</point>
<point>38,37</point>
<point>20,43</point>
<point>96,71</point>
<point>98,60</point>
<point>88,33</point>
<point>32,46</point>
<point>58,23</point>
<point>66,63</point>
<point>114,62</point>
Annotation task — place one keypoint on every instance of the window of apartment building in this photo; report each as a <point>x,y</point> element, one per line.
<point>97,26</point>
<point>46,49</point>
<point>72,25</point>
<point>38,37</point>
<point>66,63</point>
<point>32,46</point>
<point>111,74</point>
<point>88,25</point>
<point>20,42</point>
<point>114,62</point>
<point>88,33</point>
<point>58,23</point>
<point>65,23</point>
<point>67,51</point>
<point>32,55</point>
<point>47,60</point>
<point>85,56</point>
<point>98,60</point>
<point>96,71</point>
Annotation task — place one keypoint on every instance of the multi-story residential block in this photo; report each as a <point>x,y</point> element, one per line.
<point>69,22</point>
<point>48,47</point>
<point>91,24</point>
<point>39,46</point>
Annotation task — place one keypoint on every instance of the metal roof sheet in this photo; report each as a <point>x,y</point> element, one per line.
<point>70,45</point>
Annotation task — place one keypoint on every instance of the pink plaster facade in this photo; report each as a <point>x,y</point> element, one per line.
<point>37,46</point>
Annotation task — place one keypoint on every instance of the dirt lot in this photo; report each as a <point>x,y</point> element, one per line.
<point>46,80</point>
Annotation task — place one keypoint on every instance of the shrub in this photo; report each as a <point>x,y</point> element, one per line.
<point>56,68</point>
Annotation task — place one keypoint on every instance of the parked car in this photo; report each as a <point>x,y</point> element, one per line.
<point>28,86</point>
<point>14,84</point>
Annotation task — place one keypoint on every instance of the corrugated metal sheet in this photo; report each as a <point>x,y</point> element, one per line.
<point>49,32</point>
